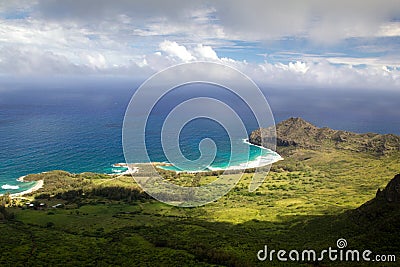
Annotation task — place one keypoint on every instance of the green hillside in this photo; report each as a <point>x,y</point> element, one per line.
<point>308,201</point>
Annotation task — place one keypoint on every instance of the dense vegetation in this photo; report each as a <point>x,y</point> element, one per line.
<point>309,200</point>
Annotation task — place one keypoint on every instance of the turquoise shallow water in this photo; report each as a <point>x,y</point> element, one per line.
<point>251,156</point>
<point>80,134</point>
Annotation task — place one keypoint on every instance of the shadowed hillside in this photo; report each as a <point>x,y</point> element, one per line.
<point>385,206</point>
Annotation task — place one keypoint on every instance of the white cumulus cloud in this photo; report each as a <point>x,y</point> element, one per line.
<point>205,52</point>
<point>175,50</point>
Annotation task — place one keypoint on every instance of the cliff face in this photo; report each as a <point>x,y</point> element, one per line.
<point>298,133</point>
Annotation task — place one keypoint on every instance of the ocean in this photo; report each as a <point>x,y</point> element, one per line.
<point>76,126</point>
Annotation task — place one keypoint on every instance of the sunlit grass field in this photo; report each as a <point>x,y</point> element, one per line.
<point>303,203</point>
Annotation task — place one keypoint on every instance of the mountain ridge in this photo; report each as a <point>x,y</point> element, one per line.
<point>298,133</point>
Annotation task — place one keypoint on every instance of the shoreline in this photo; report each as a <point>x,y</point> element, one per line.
<point>130,168</point>
<point>258,162</point>
<point>39,184</point>
<point>21,179</point>
<point>240,167</point>
<point>135,169</point>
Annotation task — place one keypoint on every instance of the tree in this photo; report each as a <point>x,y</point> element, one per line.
<point>5,199</point>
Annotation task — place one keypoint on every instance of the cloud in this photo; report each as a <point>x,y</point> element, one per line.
<point>320,21</point>
<point>310,71</point>
<point>180,52</point>
<point>391,29</point>
<point>32,61</point>
<point>95,10</point>
<point>174,50</point>
<point>205,52</point>
<point>297,66</point>
<point>321,72</point>
<point>326,21</point>
<point>97,61</point>
<point>354,43</point>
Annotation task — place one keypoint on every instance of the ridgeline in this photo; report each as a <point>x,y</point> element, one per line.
<point>298,133</point>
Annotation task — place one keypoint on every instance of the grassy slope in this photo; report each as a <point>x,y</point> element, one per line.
<point>300,205</point>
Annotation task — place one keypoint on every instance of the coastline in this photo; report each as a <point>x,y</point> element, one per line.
<point>131,168</point>
<point>39,184</point>
<point>21,179</point>
<point>258,162</point>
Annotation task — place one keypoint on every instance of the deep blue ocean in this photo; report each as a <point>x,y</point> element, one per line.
<point>76,125</point>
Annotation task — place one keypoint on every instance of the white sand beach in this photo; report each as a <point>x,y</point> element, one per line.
<point>38,185</point>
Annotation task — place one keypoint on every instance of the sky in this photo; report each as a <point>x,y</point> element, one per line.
<point>305,43</point>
